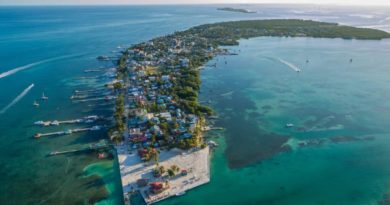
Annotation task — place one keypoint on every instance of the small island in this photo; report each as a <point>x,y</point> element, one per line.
<point>159,122</point>
<point>236,10</point>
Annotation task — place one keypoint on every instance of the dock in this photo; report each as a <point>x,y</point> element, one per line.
<point>208,128</point>
<point>86,120</point>
<point>90,90</point>
<point>79,96</point>
<point>96,146</point>
<point>67,132</point>
<point>107,98</point>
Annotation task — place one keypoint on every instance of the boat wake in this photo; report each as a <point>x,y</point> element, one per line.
<point>17,99</point>
<point>17,69</point>
<point>290,65</point>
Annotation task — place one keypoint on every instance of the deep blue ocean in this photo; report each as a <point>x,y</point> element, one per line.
<point>47,49</point>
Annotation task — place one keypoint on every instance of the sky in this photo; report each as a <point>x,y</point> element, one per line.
<point>103,2</point>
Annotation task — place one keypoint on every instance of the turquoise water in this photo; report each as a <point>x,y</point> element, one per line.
<point>51,47</point>
<point>256,95</point>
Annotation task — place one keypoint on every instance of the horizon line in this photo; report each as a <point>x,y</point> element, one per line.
<point>199,4</point>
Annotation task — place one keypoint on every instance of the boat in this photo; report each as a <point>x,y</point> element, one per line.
<point>180,193</point>
<point>89,121</point>
<point>95,128</point>
<point>212,143</point>
<point>92,117</point>
<point>39,122</point>
<point>288,125</point>
<point>103,58</point>
<point>36,104</point>
<point>68,132</point>
<point>55,122</point>
<point>37,135</point>
<point>107,98</point>
<point>44,97</point>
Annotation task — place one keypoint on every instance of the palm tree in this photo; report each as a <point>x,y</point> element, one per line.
<point>175,168</point>
<point>171,173</point>
<point>154,155</point>
<point>161,169</point>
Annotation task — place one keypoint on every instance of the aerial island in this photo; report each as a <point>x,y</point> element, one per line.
<point>159,122</point>
<point>236,10</point>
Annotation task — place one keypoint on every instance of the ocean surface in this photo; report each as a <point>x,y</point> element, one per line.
<point>336,153</point>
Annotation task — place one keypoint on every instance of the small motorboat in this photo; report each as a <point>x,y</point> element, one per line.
<point>55,122</point>
<point>103,58</point>
<point>180,193</point>
<point>39,122</point>
<point>288,125</point>
<point>95,128</point>
<point>36,104</point>
<point>212,143</point>
<point>44,97</point>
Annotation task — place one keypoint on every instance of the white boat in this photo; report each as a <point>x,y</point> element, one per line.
<point>92,117</point>
<point>55,122</point>
<point>44,97</point>
<point>103,58</point>
<point>289,125</point>
<point>36,104</point>
<point>95,128</point>
<point>39,123</point>
<point>180,193</point>
<point>212,143</point>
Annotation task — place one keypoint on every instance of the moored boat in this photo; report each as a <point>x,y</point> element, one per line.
<point>44,97</point>
<point>288,125</point>
<point>180,193</point>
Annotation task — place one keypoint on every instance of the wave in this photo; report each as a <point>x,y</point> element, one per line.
<point>363,16</point>
<point>17,99</point>
<point>15,70</point>
<point>290,65</point>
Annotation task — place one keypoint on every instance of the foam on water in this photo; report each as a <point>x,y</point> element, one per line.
<point>290,65</point>
<point>20,68</point>
<point>17,99</point>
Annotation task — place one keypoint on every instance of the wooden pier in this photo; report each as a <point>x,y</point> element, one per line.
<point>86,120</point>
<point>96,146</point>
<point>107,98</point>
<point>67,132</point>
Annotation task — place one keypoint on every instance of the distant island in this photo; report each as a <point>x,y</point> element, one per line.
<point>159,122</point>
<point>235,10</point>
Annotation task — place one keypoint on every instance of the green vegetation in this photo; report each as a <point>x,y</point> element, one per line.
<point>173,170</point>
<point>166,75</point>
<point>226,33</point>
<point>159,171</point>
<point>151,154</point>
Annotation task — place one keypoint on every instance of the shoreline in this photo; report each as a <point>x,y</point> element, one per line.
<point>157,105</point>
<point>132,170</point>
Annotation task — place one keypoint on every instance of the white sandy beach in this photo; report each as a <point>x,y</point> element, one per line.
<point>133,169</point>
